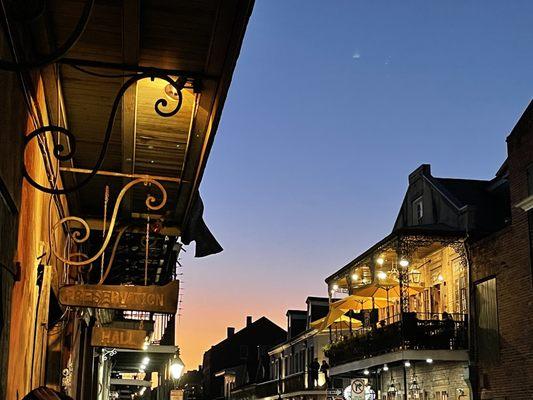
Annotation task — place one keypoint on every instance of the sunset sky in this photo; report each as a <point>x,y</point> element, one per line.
<point>332,105</point>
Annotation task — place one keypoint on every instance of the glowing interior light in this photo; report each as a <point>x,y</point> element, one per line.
<point>366,372</point>
<point>404,262</point>
<point>429,360</point>
<point>146,360</point>
<point>407,364</point>
<point>176,368</point>
<point>385,367</point>
<point>355,277</point>
<point>382,275</point>
<point>335,287</point>
<point>380,260</point>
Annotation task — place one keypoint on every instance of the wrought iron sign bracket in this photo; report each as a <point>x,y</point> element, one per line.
<point>14,12</point>
<point>61,154</point>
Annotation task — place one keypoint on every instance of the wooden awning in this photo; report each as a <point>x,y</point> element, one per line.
<point>195,43</point>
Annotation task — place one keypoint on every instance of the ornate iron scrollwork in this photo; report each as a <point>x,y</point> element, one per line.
<point>151,203</point>
<point>59,149</point>
<point>59,52</point>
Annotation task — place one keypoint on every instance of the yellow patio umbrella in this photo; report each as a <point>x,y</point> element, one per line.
<point>387,288</point>
<point>357,303</point>
<point>330,318</point>
<point>342,321</point>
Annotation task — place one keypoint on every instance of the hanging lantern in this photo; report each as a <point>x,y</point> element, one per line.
<point>392,389</point>
<point>415,275</point>
<point>414,387</point>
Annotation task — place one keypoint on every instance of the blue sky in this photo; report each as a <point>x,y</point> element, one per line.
<point>332,105</point>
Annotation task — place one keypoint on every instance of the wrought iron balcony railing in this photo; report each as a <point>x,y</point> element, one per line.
<point>413,331</point>
<point>292,383</point>
<point>267,389</point>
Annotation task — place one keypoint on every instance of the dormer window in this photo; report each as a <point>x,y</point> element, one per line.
<point>418,210</point>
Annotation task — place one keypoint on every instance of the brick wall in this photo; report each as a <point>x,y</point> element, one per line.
<point>506,256</point>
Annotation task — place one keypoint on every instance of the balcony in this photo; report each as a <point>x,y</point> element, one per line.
<point>267,389</point>
<point>415,331</point>
<point>290,384</point>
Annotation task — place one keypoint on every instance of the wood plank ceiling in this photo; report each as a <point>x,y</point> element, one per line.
<point>176,35</point>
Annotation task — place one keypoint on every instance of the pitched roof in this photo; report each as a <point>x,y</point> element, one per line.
<point>464,192</point>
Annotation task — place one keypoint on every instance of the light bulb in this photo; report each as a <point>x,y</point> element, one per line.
<point>404,263</point>
<point>176,368</point>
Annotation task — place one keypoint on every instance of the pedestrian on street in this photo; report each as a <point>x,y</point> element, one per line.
<point>313,372</point>
<point>324,368</point>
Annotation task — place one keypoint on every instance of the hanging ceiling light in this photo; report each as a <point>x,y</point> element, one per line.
<point>366,372</point>
<point>380,260</point>
<point>385,367</point>
<point>171,92</point>
<point>404,263</point>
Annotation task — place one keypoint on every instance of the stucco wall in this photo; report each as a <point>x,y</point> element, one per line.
<point>27,340</point>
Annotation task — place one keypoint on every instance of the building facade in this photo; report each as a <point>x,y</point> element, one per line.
<point>241,359</point>
<point>502,284</point>
<point>453,284</point>
<point>295,366</point>
<point>106,110</point>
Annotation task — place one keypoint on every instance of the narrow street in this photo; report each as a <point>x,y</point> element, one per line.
<point>266,200</point>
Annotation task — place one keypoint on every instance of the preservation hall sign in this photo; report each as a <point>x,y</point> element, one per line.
<point>158,299</point>
<point>118,338</point>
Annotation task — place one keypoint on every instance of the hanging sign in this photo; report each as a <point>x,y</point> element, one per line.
<point>118,338</point>
<point>158,299</point>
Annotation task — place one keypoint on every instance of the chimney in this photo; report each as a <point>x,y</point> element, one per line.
<point>248,320</point>
<point>231,331</point>
<point>424,169</point>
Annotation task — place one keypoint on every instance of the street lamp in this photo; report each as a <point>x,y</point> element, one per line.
<point>176,368</point>
<point>415,275</point>
<point>414,387</point>
<point>392,389</point>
